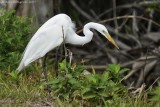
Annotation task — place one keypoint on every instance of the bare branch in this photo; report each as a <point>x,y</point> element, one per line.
<point>130,16</point>
<point>114,15</point>
<point>87,16</point>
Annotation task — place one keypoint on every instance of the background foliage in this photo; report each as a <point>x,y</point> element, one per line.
<point>14,36</point>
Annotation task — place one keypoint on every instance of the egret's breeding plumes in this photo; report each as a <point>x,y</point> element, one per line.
<point>57,30</point>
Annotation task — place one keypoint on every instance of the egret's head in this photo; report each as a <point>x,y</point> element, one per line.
<point>102,29</point>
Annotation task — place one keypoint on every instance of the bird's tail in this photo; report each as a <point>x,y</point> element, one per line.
<point>21,66</point>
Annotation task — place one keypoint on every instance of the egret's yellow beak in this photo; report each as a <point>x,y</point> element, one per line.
<point>111,40</point>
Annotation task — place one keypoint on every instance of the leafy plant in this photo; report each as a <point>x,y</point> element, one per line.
<point>15,76</point>
<point>14,35</point>
<point>93,88</point>
<point>115,71</point>
<point>156,93</point>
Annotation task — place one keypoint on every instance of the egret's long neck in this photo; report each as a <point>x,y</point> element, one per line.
<point>81,40</point>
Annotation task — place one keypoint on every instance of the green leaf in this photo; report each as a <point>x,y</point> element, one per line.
<point>59,102</point>
<point>87,89</point>
<point>123,70</point>
<point>9,40</point>
<point>55,81</point>
<point>101,87</point>
<point>116,68</point>
<point>69,76</point>
<point>62,65</point>
<point>111,83</point>
<point>89,96</point>
<point>91,78</point>
<point>66,96</point>
<point>104,94</point>
<point>13,30</point>
<point>14,75</point>
<point>80,69</point>
<point>105,76</point>
<point>73,81</point>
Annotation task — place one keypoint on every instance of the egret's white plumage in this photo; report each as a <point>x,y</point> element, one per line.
<point>50,35</point>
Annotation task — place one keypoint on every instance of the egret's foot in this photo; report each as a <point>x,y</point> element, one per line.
<point>48,88</point>
<point>56,69</point>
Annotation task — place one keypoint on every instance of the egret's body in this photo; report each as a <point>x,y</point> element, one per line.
<point>53,33</point>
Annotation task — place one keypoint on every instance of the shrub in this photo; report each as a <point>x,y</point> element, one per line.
<point>14,35</point>
<point>73,86</point>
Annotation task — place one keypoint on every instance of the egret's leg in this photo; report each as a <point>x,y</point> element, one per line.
<point>56,62</point>
<point>45,73</point>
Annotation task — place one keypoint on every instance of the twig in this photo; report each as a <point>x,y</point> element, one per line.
<point>102,67</point>
<point>94,14</point>
<point>145,65</point>
<point>149,58</point>
<point>87,16</point>
<point>130,16</point>
<point>150,87</point>
<point>114,15</point>
<point>134,24</point>
<point>136,40</point>
<point>124,22</point>
<point>147,69</point>
<point>150,21</point>
<point>124,17</point>
<point>70,55</point>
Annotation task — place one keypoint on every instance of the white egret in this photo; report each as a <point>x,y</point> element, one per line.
<point>50,35</point>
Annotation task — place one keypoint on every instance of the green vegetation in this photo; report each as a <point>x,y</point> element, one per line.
<point>14,36</point>
<point>75,86</point>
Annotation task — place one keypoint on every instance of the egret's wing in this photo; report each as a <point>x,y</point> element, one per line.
<point>46,40</point>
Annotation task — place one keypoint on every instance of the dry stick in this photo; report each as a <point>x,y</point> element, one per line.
<point>94,14</point>
<point>150,22</point>
<point>129,16</point>
<point>114,14</point>
<point>145,65</point>
<point>101,67</point>
<point>87,16</point>
<point>70,56</point>
<point>124,22</point>
<point>134,24</point>
<point>135,29</point>
<point>153,83</point>
<point>124,17</point>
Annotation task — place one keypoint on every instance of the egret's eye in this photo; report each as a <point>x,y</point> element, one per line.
<point>106,33</point>
<point>103,31</point>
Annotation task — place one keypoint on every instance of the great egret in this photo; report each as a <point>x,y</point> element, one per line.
<point>51,35</point>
